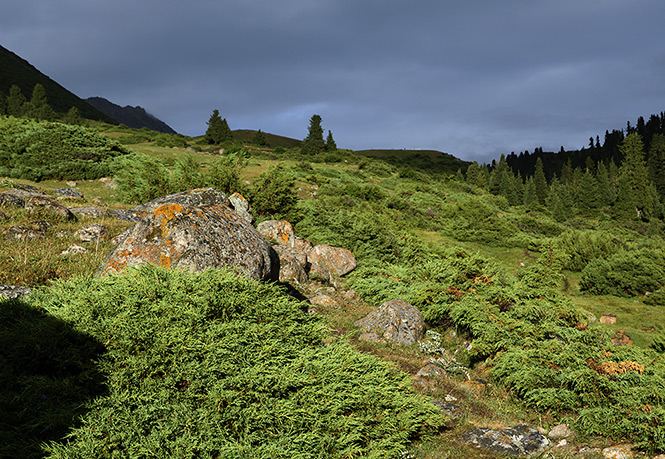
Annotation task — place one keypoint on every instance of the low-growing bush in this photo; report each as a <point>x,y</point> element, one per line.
<point>585,246</point>
<point>212,365</point>
<point>625,273</point>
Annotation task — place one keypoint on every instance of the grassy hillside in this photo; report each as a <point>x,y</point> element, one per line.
<point>17,71</point>
<point>429,160</point>
<point>509,288</point>
<point>272,140</point>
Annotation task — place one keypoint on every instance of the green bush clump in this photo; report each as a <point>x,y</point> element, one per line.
<point>37,150</point>
<point>585,246</point>
<point>625,273</point>
<point>656,298</point>
<point>213,365</point>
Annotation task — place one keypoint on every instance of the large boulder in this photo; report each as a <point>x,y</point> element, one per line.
<point>335,259</point>
<point>394,320</point>
<point>35,202</point>
<point>275,230</point>
<point>292,264</point>
<point>194,238</point>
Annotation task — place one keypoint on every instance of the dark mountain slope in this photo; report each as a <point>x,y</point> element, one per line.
<point>133,117</point>
<point>17,71</point>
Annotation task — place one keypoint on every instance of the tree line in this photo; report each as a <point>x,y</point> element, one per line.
<point>37,107</point>
<point>630,189</point>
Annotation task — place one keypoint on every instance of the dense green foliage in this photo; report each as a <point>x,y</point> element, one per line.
<point>313,143</point>
<point>212,365</point>
<point>40,150</point>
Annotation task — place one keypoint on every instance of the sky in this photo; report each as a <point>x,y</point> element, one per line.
<point>472,78</point>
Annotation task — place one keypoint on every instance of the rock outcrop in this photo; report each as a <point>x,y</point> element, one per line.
<point>34,202</point>
<point>194,231</point>
<point>514,441</point>
<point>335,259</point>
<point>394,320</point>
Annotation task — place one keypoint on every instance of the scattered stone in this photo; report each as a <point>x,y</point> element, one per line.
<point>431,369</point>
<point>241,206</point>
<point>560,432</point>
<point>109,182</point>
<point>13,292</point>
<point>92,233</point>
<point>350,294</point>
<point>451,410</point>
<point>61,234</point>
<point>608,319</point>
<point>29,188</point>
<point>318,273</point>
<point>74,250</point>
<point>618,452</point>
<point>450,398</point>
<point>335,259</point>
<point>175,235</point>
<point>94,212</point>
<point>276,230</point>
<point>23,234</point>
<point>70,193</point>
<point>71,183</point>
<point>515,441</point>
<point>33,202</point>
<point>292,264</point>
<point>325,301</point>
<point>394,320</point>
<point>621,339</point>
<point>563,444</point>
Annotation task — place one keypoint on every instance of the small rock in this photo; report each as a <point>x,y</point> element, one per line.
<point>23,234</point>
<point>350,294</point>
<point>608,319</point>
<point>13,292</point>
<point>94,212</point>
<point>618,452</point>
<point>395,321</point>
<point>324,300</point>
<point>621,339</point>
<point>562,444</point>
<point>337,260</point>
<point>477,386</point>
<point>70,183</point>
<point>276,230</point>
<point>560,432</point>
<point>450,398</point>
<point>451,410</point>
<point>70,193</point>
<point>29,188</point>
<point>109,182</point>
<point>431,369</point>
<point>92,233</point>
<point>61,234</point>
<point>515,441</point>
<point>33,202</point>
<point>74,250</point>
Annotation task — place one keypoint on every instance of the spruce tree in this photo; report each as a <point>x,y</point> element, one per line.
<point>497,174</point>
<point>218,129</point>
<point>530,194</point>
<point>73,116</point>
<point>657,163</point>
<point>507,187</point>
<point>540,181</point>
<point>330,143</point>
<point>226,133</point>
<point>259,138</point>
<point>605,188</point>
<point>587,197</point>
<point>472,173</point>
<point>15,101</point>
<point>313,143</point>
<point>38,106</point>
<point>634,199</point>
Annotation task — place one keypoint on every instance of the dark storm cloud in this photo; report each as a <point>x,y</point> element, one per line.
<point>471,78</point>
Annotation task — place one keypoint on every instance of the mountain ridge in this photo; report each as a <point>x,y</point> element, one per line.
<point>133,117</point>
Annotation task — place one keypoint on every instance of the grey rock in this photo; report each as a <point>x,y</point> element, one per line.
<point>23,234</point>
<point>126,215</point>
<point>451,410</point>
<point>560,432</point>
<point>69,193</point>
<point>276,230</point>
<point>74,250</point>
<point>515,441</point>
<point>92,233</point>
<point>292,264</point>
<point>337,260</point>
<point>34,202</point>
<point>318,273</point>
<point>431,369</point>
<point>199,197</point>
<point>13,292</point>
<point>95,212</point>
<point>396,321</point>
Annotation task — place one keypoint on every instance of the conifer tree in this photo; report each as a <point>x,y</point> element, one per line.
<point>567,173</point>
<point>313,143</point>
<point>472,173</point>
<point>214,132</point>
<point>540,181</point>
<point>530,194</point>
<point>73,116</point>
<point>226,133</point>
<point>634,198</point>
<point>605,188</point>
<point>657,163</point>
<point>3,104</point>
<point>519,186</point>
<point>507,188</point>
<point>259,138</point>
<point>558,201</point>
<point>15,101</point>
<point>587,196</point>
<point>497,174</point>
<point>330,143</point>
<point>38,106</point>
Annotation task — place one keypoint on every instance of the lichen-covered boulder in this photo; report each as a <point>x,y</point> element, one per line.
<point>275,230</point>
<point>34,202</point>
<point>394,320</point>
<point>195,238</point>
<point>335,259</point>
<point>70,193</point>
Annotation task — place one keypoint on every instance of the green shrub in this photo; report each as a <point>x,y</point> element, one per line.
<point>585,246</point>
<point>212,365</point>
<point>273,192</point>
<point>656,298</point>
<point>625,273</point>
<point>37,150</point>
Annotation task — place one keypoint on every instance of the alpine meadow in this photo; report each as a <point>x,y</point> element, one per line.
<point>208,297</point>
